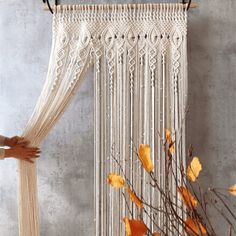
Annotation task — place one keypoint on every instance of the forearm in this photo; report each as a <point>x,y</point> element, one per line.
<point>2,153</point>
<point>5,153</point>
<point>2,140</point>
<point>10,152</point>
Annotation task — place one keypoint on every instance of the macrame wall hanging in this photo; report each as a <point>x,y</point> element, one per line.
<point>140,75</point>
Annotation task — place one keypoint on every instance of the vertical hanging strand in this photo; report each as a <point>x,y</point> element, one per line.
<point>121,78</point>
<point>146,188</point>
<point>125,154</point>
<point>179,141</point>
<point>106,147</point>
<point>184,91</point>
<point>158,167</point>
<point>165,173</point>
<point>179,130</point>
<point>141,108</point>
<point>127,124</point>
<point>127,94</point>
<point>137,174</point>
<point>131,59</point>
<point>174,126</point>
<point>110,62</point>
<point>170,125</point>
<point>102,146</point>
<point>119,130</point>
<point>152,64</point>
<point>111,152</point>
<point>99,159</point>
<point>176,41</point>
<point>115,144</point>
<point>162,128</point>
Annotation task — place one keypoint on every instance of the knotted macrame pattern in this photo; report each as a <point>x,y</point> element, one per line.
<point>140,78</point>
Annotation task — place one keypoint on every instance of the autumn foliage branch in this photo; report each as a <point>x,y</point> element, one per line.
<point>195,203</point>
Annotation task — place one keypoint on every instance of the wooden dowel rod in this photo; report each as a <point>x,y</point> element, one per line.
<point>192,5</point>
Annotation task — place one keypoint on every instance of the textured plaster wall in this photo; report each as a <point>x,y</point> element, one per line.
<point>65,169</point>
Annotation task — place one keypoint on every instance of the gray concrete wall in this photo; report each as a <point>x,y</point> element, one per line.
<point>66,165</point>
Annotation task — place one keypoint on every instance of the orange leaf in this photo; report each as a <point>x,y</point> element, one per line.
<point>135,227</point>
<point>188,199</point>
<point>134,198</point>
<point>194,227</point>
<point>156,234</point>
<point>115,180</point>
<point>168,136</point>
<point>194,169</point>
<point>232,190</point>
<point>145,157</point>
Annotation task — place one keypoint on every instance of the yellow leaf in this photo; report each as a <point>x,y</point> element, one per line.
<point>168,136</point>
<point>156,234</point>
<point>194,227</point>
<point>115,180</point>
<point>127,227</point>
<point>134,198</point>
<point>135,227</point>
<point>232,190</point>
<point>145,157</point>
<point>194,169</point>
<point>188,199</point>
<point>172,148</point>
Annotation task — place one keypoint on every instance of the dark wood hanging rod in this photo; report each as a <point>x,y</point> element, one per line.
<point>134,6</point>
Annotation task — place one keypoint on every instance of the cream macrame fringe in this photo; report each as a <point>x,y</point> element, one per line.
<point>140,77</point>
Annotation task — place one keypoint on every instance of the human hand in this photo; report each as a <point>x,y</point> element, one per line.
<point>16,141</point>
<point>23,153</point>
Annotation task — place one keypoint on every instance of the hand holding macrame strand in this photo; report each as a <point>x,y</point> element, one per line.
<point>18,148</point>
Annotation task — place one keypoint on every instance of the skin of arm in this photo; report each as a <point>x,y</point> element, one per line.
<point>19,150</point>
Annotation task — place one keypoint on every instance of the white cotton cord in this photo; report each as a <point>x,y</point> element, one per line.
<point>139,54</point>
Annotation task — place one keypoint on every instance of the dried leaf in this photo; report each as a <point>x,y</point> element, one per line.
<point>170,142</point>
<point>135,227</point>
<point>134,198</point>
<point>194,169</point>
<point>145,157</point>
<point>127,227</point>
<point>194,227</point>
<point>156,234</point>
<point>188,199</point>
<point>168,136</point>
<point>115,180</point>
<point>172,148</point>
<point>232,190</point>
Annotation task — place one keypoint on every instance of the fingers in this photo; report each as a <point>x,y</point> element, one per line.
<point>32,154</point>
<point>32,151</point>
